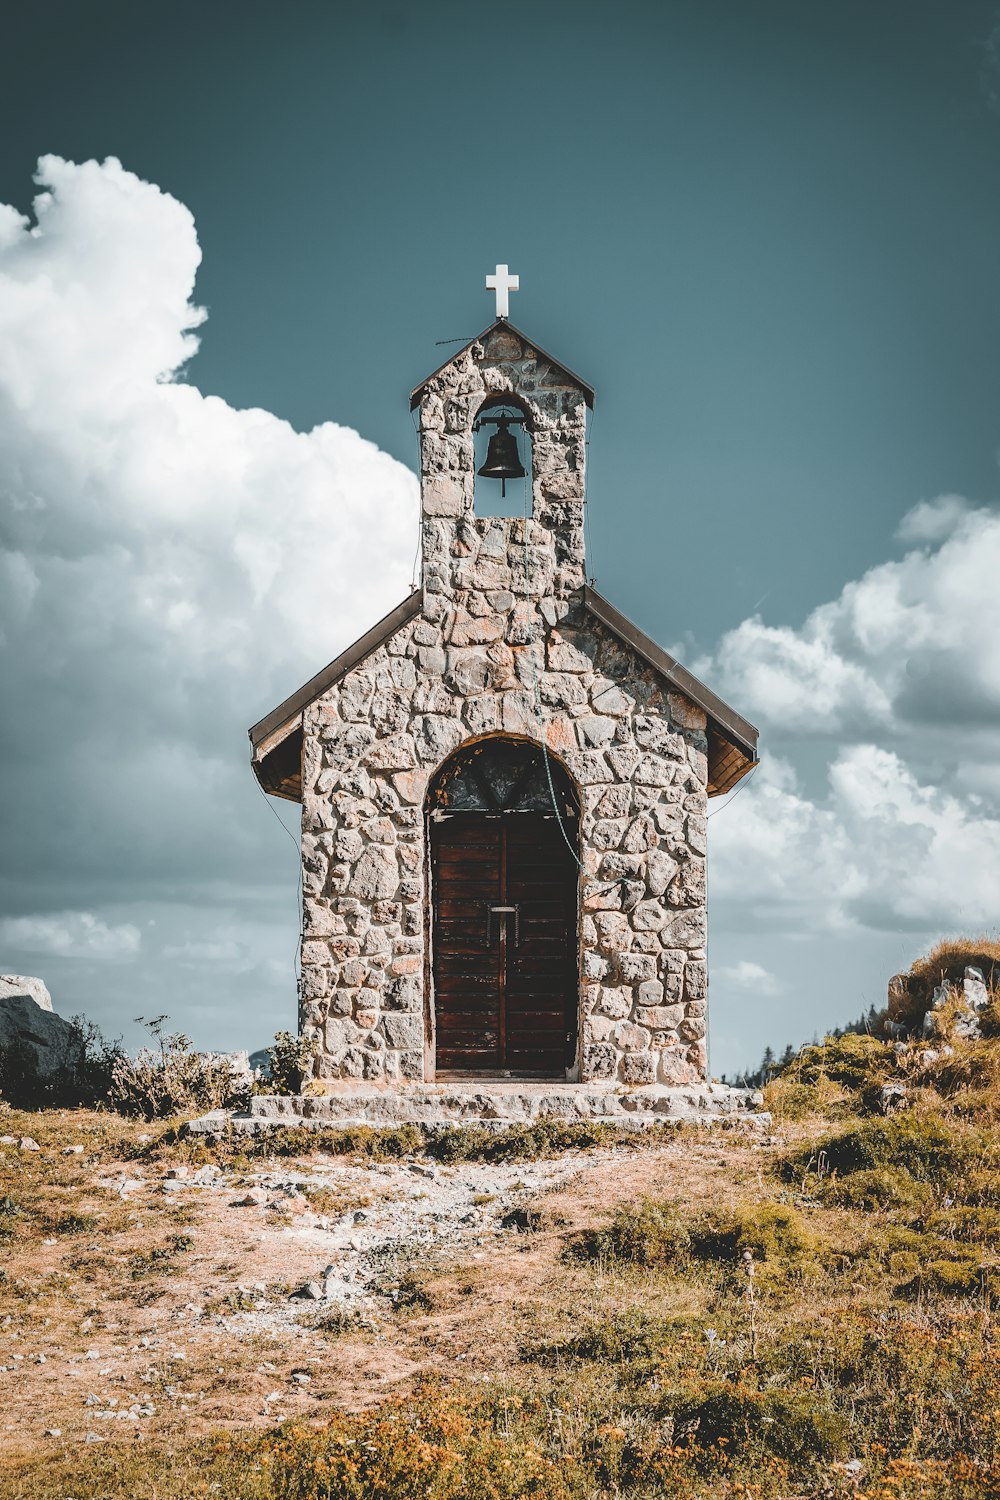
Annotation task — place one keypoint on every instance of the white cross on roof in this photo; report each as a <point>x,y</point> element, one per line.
<point>502,283</point>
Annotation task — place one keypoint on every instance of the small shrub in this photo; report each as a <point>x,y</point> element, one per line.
<point>646,1233</point>
<point>631,1338</point>
<point>81,1077</point>
<point>855,1061</point>
<point>774,1233</point>
<point>291,1058</point>
<point>961,1276</point>
<point>789,1099</point>
<point>172,1079</point>
<point>545,1137</point>
<point>74,1224</point>
<point>927,1148</point>
<point>875,1188</point>
<point>658,1235</point>
<point>799,1426</point>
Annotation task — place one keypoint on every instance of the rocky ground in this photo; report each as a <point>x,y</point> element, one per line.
<point>143,1297</point>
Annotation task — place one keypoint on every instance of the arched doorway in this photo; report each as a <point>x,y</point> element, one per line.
<point>503,830</point>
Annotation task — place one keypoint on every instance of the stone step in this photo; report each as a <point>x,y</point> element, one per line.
<point>495,1104</point>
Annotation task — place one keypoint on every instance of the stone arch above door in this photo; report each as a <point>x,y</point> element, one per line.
<point>503,773</point>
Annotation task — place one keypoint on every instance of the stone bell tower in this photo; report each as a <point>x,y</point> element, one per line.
<point>504,783</point>
<point>540,553</point>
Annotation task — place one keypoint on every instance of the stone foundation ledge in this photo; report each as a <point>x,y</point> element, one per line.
<point>496,1104</point>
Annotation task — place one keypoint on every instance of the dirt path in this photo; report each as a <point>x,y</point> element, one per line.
<point>194,1298</point>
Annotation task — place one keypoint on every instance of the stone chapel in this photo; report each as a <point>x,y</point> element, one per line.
<point>504,783</point>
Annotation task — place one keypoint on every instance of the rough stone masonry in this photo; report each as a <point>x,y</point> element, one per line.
<point>504,639</point>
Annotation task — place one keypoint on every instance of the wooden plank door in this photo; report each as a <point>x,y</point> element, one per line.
<point>540,880</point>
<point>504,944</point>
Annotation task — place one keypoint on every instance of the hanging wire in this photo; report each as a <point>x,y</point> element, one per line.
<point>296,964</point>
<point>733,798</point>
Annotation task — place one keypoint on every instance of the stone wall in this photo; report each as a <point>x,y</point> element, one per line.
<point>502,647</point>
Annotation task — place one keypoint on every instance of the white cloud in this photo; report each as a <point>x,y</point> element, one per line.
<point>70,934</point>
<point>912,643</point>
<point>752,978</point>
<point>880,850</point>
<point>170,567</point>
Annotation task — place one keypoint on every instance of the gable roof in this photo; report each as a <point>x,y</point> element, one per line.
<point>733,725</point>
<point>272,729</point>
<point>589,394</point>
<point>276,740</point>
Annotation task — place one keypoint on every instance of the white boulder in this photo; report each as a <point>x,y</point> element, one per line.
<point>24,984</point>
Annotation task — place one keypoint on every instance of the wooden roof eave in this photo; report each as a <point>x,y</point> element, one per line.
<point>589,394</point>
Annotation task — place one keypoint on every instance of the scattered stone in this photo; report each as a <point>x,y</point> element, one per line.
<point>253,1199</point>
<point>73,1150</point>
<point>892,1097</point>
<point>53,1432</point>
<point>311,1291</point>
<point>27,1144</point>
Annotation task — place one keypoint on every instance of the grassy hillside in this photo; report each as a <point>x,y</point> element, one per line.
<point>696,1314</point>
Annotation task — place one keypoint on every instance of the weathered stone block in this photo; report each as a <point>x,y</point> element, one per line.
<point>376,875</point>
<point>615,802</point>
<point>639,1067</point>
<point>660,871</point>
<point>600,1061</point>
<point>613,701</point>
<point>402,1031</point>
<point>340,1031</point>
<point>630,1038</point>
<point>436,737</point>
<point>633,967</point>
<point>648,916</point>
<point>695,980</point>
<point>411,1063</point>
<point>595,730</point>
<point>686,929</point>
<point>674,1067</point>
<point>616,1003</point>
<point>663,1017</point>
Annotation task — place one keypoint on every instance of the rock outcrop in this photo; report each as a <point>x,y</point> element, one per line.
<point>25,984</point>
<point>25,1024</point>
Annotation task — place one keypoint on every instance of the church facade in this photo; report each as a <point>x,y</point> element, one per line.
<point>504,783</point>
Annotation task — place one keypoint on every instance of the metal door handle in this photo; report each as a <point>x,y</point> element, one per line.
<point>503,911</point>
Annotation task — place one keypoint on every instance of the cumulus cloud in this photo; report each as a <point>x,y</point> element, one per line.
<point>911,644</point>
<point>170,568</point>
<point>750,978</point>
<point>70,934</point>
<point>879,850</point>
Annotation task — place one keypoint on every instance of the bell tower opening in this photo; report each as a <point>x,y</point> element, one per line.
<point>502,459</point>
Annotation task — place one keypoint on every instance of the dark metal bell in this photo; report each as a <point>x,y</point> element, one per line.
<point>503,461</point>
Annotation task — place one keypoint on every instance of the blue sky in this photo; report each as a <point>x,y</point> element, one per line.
<point>769,236</point>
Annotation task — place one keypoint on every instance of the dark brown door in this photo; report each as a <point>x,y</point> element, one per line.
<point>504,943</point>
